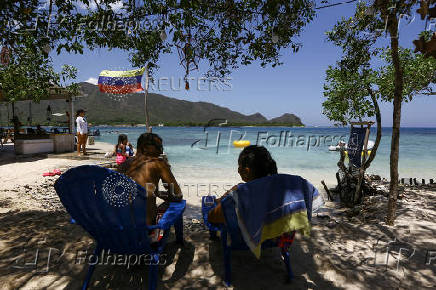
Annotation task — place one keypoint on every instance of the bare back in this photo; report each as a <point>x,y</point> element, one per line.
<point>147,172</point>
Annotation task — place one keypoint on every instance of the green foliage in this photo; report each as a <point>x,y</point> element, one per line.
<point>354,80</point>
<point>347,95</point>
<point>419,73</point>
<point>348,91</point>
<point>222,33</point>
<point>30,74</point>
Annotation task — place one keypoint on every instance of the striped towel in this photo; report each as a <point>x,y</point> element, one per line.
<point>271,206</point>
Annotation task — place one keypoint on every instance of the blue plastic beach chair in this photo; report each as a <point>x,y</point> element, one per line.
<point>112,209</point>
<point>231,228</point>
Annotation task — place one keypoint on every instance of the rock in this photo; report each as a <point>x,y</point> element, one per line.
<point>4,210</point>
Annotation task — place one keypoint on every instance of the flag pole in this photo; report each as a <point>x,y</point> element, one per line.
<point>147,118</point>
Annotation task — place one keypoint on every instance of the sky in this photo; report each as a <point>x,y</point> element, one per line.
<point>294,87</point>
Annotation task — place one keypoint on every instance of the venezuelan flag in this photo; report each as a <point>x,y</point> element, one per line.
<point>120,82</point>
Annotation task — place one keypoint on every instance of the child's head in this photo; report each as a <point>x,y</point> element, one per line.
<point>150,144</point>
<point>255,162</point>
<point>122,139</point>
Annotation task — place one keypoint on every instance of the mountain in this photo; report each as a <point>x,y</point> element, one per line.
<point>112,109</point>
<point>286,119</point>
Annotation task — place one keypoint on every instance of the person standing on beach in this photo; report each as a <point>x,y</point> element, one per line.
<point>82,131</point>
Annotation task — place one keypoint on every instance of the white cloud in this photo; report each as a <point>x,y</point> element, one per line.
<point>117,6</point>
<point>93,6</point>
<point>92,80</point>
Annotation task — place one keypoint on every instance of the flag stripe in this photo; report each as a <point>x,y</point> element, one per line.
<point>129,73</point>
<point>119,81</point>
<point>126,89</point>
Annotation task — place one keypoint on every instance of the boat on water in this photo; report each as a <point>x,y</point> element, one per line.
<point>343,144</point>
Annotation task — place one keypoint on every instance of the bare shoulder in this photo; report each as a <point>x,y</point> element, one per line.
<point>158,163</point>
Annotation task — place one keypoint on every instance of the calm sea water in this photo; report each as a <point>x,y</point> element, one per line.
<point>302,151</point>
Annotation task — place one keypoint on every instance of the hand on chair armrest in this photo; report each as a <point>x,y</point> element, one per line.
<point>169,218</point>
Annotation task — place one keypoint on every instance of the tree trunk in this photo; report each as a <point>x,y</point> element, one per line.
<point>367,163</point>
<point>395,143</point>
<point>379,131</point>
<point>147,118</point>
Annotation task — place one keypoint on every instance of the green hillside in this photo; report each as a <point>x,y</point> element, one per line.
<point>106,109</point>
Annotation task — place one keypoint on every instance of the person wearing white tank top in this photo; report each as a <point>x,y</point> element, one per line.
<point>82,131</point>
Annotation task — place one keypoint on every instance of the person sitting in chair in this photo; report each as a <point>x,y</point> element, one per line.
<point>253,162</point>
<point>147,168</point>
<point>40,130</point>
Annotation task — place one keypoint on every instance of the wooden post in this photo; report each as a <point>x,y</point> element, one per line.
<point>147,118</point>
<point>362,168</point>
<point>30,113</point>
<point>365,144</point>
<point>72,121</point>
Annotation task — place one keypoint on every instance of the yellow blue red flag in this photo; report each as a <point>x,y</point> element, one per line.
<point>120,82</point>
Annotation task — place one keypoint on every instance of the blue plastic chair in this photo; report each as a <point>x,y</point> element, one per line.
<point>237,243</point>
<point>112,209</point>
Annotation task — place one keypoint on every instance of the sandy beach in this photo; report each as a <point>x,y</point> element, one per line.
<point>39,247</point>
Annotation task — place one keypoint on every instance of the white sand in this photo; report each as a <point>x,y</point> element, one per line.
<point>339,255</point>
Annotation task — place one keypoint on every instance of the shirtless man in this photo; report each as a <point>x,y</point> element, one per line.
<point>147,168</point>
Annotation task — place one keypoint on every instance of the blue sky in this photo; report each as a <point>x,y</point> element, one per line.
<point>295,87</point>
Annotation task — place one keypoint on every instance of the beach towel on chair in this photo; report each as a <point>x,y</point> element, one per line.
<point>271,206</point>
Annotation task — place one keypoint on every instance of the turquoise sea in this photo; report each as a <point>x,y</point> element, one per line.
<point>188,151</point>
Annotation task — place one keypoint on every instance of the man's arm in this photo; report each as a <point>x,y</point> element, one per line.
<point>173,193</point>
<point>216,215</point>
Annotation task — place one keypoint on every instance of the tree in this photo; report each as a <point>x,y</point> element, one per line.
<point>30,74</point>
<point>354,86</point>
<point>351,96</point>
<point>223,34</point>
<point>27,40</point>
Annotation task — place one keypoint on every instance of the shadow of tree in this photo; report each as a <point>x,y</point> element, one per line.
<point>43,249</point>
<point>320,262</point>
